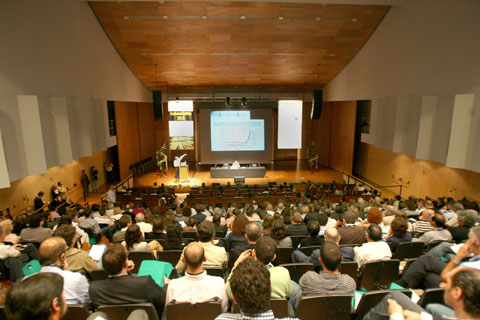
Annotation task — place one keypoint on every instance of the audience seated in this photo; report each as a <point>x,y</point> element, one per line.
<point>250,289</point>
<point>35,231</point>
<point>427,271</point>
<point>331,235</point>
<point>374,249</point>
<point>398,233</point>
<point>423,224</point>
<point>122,288</point>
<point>297,227</point>
<point>437,233</point>
<point>53,258</point>
<point>10,257</point>
<point>77,260</point>
<point>196,286</point>
<point>252,234</point>
<point>216,256</point>
<point>86,221</point>
<point>134,241</point>
<point>37,297</point>
<point>329,281</point>
<point>313,229</point>
<point>462,294</point>
<point>173,239</point>
<point>125,222</point>
<point>157,229</point>
<point>349,232</point>
<point>278,234</point>
<point>465,220</point>
<point>237,236</point>
<point>144,226</point>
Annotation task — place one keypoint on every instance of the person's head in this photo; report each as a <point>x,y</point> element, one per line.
<point>268,224</point>
<point>438,220</point>
<point>35,220</point>
<point>349,217</point>
<point>95,207</point>
<point>114,260</point>
<point>140,217</point>
<point>40,194</point>
<point>466,218</point>
<point>133,235</point>
<point>174,235</point>
<point>323,219</point>
<point>474,240</point>
<point>313,228</point>
<point>239,225</point>
<point>265,249</point>
<point>332,235</point>
<point>462,292</point>
<point>251,287</point>
<point>330,256</point>
<point>3,233</point>
<point>374,233</point>
<point>193,256</point>
<point>217,219</point>
<point>375,216</point>
<point>278,230</point>
<point>457,206</point>
<point>399,227</point>
<point>205,231</point>
<point>427,214</point>
<point>187,212</point>
<point>125,220</point>
<point>67,232</point>
<point>157,224</point>
<point>401,214</point>
<point>37,297</point>
<point>297,217</point>
<point>253,232</point>
<point>192,222</point>
<point>52,251</point>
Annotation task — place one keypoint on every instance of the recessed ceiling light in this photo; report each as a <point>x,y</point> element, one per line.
<point>204,17</point>
<point>165,17</point>
<point>126,17</point>
<point>280,18</point>
<point>354,20</point>
<point>318,18</point>
<point>242,17</point>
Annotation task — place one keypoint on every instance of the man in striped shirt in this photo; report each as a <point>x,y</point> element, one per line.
<point>424,223</point>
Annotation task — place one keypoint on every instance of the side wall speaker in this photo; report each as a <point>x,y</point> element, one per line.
<point>157,105</point>
<point>317,104</point>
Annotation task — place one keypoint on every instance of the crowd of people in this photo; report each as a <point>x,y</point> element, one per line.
<point>250,234</point>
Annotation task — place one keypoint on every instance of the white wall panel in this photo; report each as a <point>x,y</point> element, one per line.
<point>459,137</point>
<point>62,129</point>
<point>4,179</point>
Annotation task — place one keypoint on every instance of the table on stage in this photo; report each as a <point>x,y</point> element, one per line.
<point>247,172</point>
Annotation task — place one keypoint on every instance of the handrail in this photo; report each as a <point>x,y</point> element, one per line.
<point>347,180</point>
<point>121,184</point>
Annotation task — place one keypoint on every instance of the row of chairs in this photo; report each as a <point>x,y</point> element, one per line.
<point>337,307</point>
<point>143,166</point>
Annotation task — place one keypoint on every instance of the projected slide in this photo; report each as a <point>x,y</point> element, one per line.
<point>235,131</point>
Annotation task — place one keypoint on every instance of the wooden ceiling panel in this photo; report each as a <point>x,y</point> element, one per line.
<point>234,44</point>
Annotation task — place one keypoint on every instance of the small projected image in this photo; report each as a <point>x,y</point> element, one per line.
<point>181,143</point>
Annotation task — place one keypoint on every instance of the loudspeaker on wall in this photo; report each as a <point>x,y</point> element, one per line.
<point>316,104</point>
<point>157,105</point>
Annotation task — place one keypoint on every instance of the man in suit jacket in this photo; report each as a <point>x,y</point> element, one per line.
<point>122,288</point>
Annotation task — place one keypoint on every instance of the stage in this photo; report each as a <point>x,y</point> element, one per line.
<point>278,171</point>
<point>246,172</point>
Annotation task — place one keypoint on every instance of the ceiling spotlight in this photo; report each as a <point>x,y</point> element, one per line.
<point>244,101</point>
<point>228,101</point>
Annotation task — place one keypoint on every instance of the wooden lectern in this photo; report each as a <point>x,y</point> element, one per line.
<point>183,172</point>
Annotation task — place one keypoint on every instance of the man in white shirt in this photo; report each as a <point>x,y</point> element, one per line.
<point>374,249</point>
<point>438,233</point>
<point>53,257</point>
<point>196,286</point>
<point>144,226</point>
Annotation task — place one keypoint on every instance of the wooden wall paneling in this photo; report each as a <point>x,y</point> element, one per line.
<point>426,177</point>
<point>146,130</point>
<point>128,139</point>
<point>320,133</point>
<point>342,139</point>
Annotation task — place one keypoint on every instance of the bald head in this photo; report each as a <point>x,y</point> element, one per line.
<point>332,235</point>
<point>253,232</point>
<point>194,255</point>
<point>51,250</point>
<point>427,214</point>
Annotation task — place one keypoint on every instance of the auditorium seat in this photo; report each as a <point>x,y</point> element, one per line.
<point>279,307</point>
<point>171,256</point>
<point>308,250</point>
<point>350,268</point>
<point>372,298</point>
<point>432,295</point>
<point>297,270</point>
<point>217,272</point>
<point>409,250</point>
<point>296,240</point>
<point>75,312</point>
<point>284,255</point>
<point>137,257</point>
<point>99,275</point>
<point>336,307</point>
<point>379,274</point>
<point>198,311</point>
<point>122,311</point>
